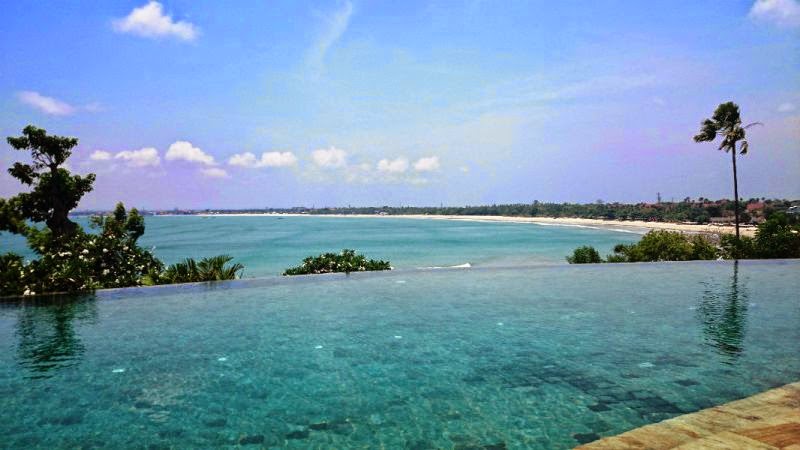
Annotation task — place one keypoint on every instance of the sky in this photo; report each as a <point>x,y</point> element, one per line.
<point>208,104</point>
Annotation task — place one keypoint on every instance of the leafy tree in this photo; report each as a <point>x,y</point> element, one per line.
<point>584,255</point>
<point>55,192</point>
<point>727,123</point>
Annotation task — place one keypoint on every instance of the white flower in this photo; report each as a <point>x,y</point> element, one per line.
<point>106,272</point>
<point>105,250</point>
<point>85,251</point>
<point>27,292</point>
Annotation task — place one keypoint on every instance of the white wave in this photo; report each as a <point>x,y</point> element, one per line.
<point>459,266</point>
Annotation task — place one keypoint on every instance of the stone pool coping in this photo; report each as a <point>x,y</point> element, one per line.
<point>769,420</point>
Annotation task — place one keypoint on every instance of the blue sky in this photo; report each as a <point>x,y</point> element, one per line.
<point>207,104</point>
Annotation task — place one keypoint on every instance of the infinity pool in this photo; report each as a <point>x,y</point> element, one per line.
<point>537,357</point>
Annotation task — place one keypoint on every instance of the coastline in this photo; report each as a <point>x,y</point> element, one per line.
<point>626,226</point>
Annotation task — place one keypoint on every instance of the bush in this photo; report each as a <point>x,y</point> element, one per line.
<point>347,261</point>
<point>661,245</point>
<point>214,268</point>
<point>584,255</point>
<point>778,237</point>
<point>12,271</point>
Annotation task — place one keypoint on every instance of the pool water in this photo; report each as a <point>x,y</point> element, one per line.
<point>525,357</point>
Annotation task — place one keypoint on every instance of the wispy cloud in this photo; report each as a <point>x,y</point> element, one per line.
<point>786,107</point>
<point>214,172</point>
<point>150,21</point>
<point>427,164</point>
<point>780,12</point>
<point>45,104</point>
<point>335,26</point>
<point>100,155</point>
<point>394,166</point>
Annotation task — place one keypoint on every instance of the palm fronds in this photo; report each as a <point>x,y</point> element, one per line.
<point>215,268</point>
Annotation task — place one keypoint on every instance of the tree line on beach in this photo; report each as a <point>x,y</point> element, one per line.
<point>700,210</point>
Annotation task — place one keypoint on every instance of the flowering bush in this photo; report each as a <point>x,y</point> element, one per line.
<point>347,261</point>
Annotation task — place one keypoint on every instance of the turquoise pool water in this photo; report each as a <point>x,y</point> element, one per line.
<point>268,245</point>
<point>527,357</point>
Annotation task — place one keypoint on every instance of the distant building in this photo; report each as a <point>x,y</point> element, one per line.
<point>794,210</point>
<point>758,206</point>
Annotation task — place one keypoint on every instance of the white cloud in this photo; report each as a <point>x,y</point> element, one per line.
<point>144,157</point>
<point>428,164</point>
<point>245,159</point>
<point>336,25</point>
<point>278,159</point>
<point>786,107</point>
<point>214,172</point>
<point>330,158</point>
<point>399,165</point>
<point>780,12</point>
<point>182,150</point>
<point>268,159</point>
<point>47,105</point>
<point>150,21</point>
<point>100,155</point>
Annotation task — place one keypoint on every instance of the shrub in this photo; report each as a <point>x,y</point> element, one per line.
<point>347,261</point>
<point>778,237</point>
<point>584,255</point>
<point>12,272</point>
<point>214,268</point>
<point>661,245</point>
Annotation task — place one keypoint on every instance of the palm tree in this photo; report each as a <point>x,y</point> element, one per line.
<point>727,122</point>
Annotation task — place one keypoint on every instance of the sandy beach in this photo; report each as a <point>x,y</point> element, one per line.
<point>630,226</point>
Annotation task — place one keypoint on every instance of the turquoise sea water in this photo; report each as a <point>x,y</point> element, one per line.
<point>526,357</point>
<point>268,245</point>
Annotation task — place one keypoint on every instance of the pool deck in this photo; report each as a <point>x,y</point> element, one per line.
<point>769,420</point>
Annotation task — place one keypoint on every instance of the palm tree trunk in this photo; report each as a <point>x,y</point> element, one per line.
<point>735,192</point>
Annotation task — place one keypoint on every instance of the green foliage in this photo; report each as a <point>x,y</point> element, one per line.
<point>12,271</point>
<point>84,261</point>
<point>584,255</point>
<point>347,261</point>
<point>661,245</point>
<point>699,210</point>
<point>742,248</point>
<point>778,237</point>
<point>214,268</point>
<point>54,191</point>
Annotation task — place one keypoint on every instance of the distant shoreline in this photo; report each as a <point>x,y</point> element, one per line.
<point>626,226</point>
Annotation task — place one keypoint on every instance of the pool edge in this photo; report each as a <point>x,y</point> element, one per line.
<point>767,420</point>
